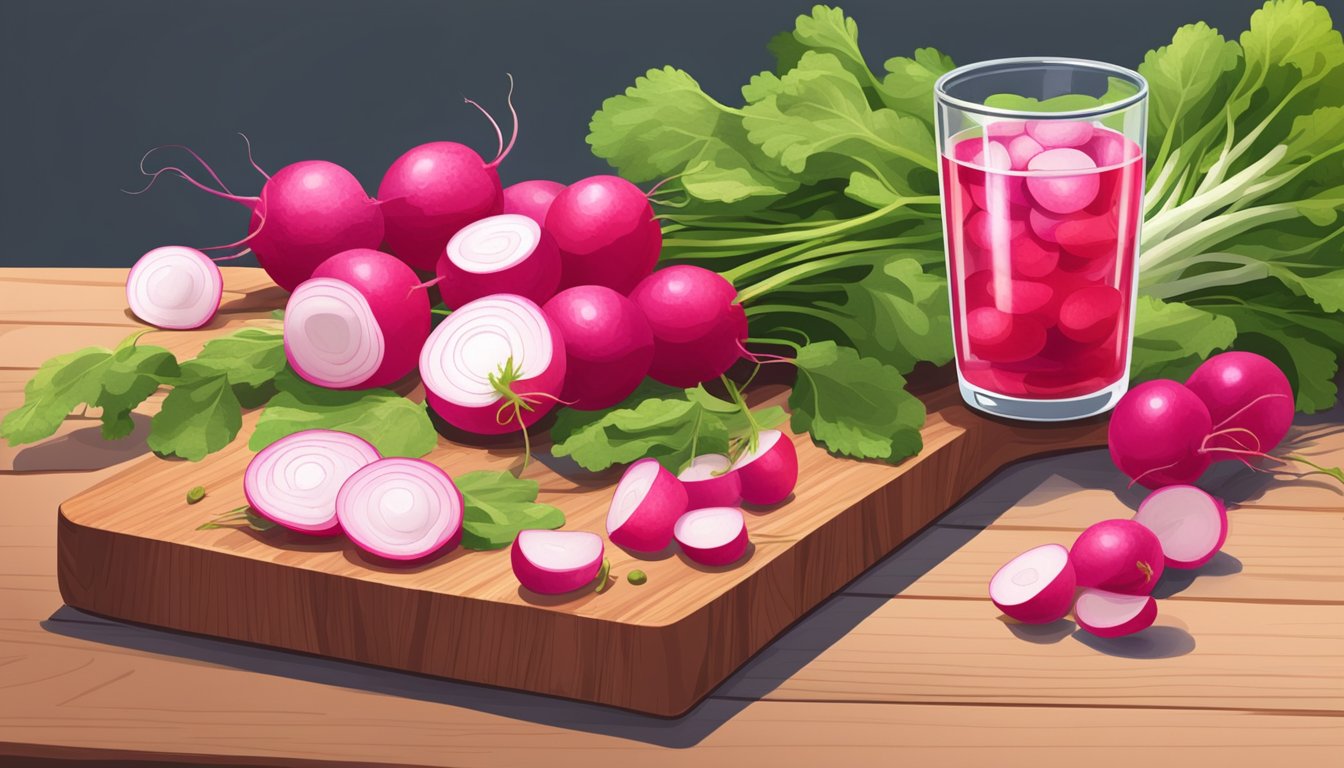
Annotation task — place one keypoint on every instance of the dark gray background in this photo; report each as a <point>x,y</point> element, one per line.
<point>87,87</point>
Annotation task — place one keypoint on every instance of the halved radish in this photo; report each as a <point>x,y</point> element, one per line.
<point>1191,524</point>
<point>174,287</point>
<point>1107,614</point>
<point>647,502</point>
<point>508,253</point>
<point>1118,556</point>
<point>401,509</point>
<point>556,562</point>
<point>710,482</point>
<point>769,473</point>
<point>712,536</point>
<point>294,481</point>
<point>1035,587</point>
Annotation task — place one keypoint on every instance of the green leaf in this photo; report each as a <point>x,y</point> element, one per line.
<point>898,314</point>
<point>61,384</point>
<point>855,406</point>
<point>198,418</point>
<point>394,425</point>
<point>131,375</point>
<point>498,506</point>
<point>908,86</point>
<point>1188,83</point>
<point>252,357</point>
<point>1171,339</point>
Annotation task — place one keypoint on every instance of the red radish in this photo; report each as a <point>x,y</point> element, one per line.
<point>1190,524</point>
<point>1090,314</point>
<point>647,502</point>
<point>713,536</point>
<point>401,509</point>
<point>607,235</point>
<point>556,562</point>
<point>1156,434</point>
<point>1250,403</point>
<point>1119,556</point>
<point>1036,587</point>
<point>294,481</point>
<point>1062,192</point>
<point>999,337</point>
<point>1045,225</point>
<point>993,232</point>
<point>507,253</point>
<point>1106,614</point>
<point>710,482</point>
<point>1031,258</point>
<point>1021,149</point>
<point>699,329</point>
<point>174,287</point>
<point>769,473</point>
<point>1060,133</point>
<point>1020,297</point>
<point>608,345</point>
<point>531,198</point>
<point>359,322</point>
<point>494,365</point>
<point>1090,237</point>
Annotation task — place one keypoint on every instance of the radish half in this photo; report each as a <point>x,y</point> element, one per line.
<point>400,509</point>
<point>556,562</point>
<point>645,507</point>
<point>294,481</point>
<point>508,253</point>
<point>1107,614</point>
<point>494,365</point>
<point>174,287</point>
<point>768,474</point>
<point>710,482</point>
<point>1036,587</point>
<point>712,536</point>
<point>1191,524</point>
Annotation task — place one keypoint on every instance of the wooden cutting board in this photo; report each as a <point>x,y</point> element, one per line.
<point>129,549</point>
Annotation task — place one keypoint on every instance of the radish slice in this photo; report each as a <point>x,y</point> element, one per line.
<point>712,536</point>
<point>555,562</point>
<point>400,509</point>
<point>1191,524</point>
<point>503,336</point>
<point>769,474</point>
<point>645,507</point>
<point>174,287</point>
<point>294,481</point>
<point>1107,614</point>
<point>1035,587</point>
<point>509,253</point>
<point>710,482</point>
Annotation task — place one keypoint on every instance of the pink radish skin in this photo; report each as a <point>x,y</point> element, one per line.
<point>1036,587</point>
<point>1156,434</point>
<point>710,482</point>
<point>359,322</point>
<point>430,193</point>
<point>607,235</point>
<point>556,562</point>
<point>698,327</point>
<point>507,253</point>
<point>1107,614</point>
<point>644,508</point>
<point>294,481</point>
<point>713,536</point>
<point>1250,404</point>
<point>768,475</point>
<point>174,287</point>
<point>1118,556</point>
<point>401,509</point>
<point>531,198</point>
<point>1190,524</point>
<point>608,345</point>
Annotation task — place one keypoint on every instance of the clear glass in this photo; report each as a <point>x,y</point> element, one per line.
<point>1041,172</point>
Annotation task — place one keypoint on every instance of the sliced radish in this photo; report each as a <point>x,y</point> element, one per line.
<point>400,509</point>
<point>713,535</point>
<point>556,562</point>
<point>1107,614</point>
<point>1059,192</point>
<point>1060,133</point>
<point>294,481</point>
<point>768,474</point>
<point>1035,587</point>
<point>509,253</point>
<point>647,502</point>
<point>710,482</point>
<point>174,287</point>
<point>1191,524</point>
<point>1118,556</point>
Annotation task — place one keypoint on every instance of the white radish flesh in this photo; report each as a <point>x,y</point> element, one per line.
<point>1108,614</point>
<point>174,287</point>
<point>343,345</point>
<point>400,509</point>
<point>770,472</point>
<point>710,482</point>
<point>294,481</point>
<point>509,253</point>
<point>1191,524</point>
<point>645,507</point>
<point>556,562</point>
<point>713,536</point>
<point>1036,587</point>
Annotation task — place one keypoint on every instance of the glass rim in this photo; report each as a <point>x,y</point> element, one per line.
<point>940,88</point>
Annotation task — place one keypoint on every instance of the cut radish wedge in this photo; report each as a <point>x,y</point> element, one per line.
<point>1108,614</point>
<point>768,474</point>
<point>400,509</point>
<point>710,482</point>
<point>1191,524</point>
<point>645,507</point>
<point>1036,587</point>
<point>174,287</point>
<point>294,481</point>
<point>556,562</point>
<point>713,536</point>
<point>509,253</point>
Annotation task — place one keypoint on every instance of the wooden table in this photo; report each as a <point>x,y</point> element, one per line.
<point>910,664</point>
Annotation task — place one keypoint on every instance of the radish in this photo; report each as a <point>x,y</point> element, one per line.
<point>359,322</point>
<point>507,253</point>
<point>710,482</point>
<point>607,235</point>
<point>174,287</point>
<point>531,198</point>
<point>645,507</point>
<point>1036,587</point>
<point>294,481</point>
<point>1090,314</point>
<point>494,365</point>
<point>1250,404</point>
<point>713,536</point>
<point>608,345</point>
<point>699,329</point>
<point>1060,133</point>
<point>1118,556</point>
<point>1106,614</point>
<point>1061,193</point>
<point>1156,434</point>
<point>400,509</point>
<point>769,473</point>
<point>1190,524</point>
<point>556,562</point>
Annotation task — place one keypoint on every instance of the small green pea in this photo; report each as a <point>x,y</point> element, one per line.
<point>196,494</point>
<point>636,577</point>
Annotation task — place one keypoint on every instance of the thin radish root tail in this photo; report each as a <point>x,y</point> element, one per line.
<point>1245,408</point>
<point>1316,469</point>
<point>261,224</point>
<point>762,358</point>
<point>231,257</point>
<point>250,202</point>
<point>248,142</point>
<point>502,151</point>
<point>191,152</point>
<point>693,169</point>
<point>425,285</point>
<point>1228,433</point>
<point>1142,475</point>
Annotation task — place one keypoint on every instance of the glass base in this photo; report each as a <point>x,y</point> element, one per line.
<point>1067,409</point>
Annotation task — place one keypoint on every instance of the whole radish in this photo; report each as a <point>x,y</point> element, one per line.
<point>608,345</point>
<point>531,198</point>
<point>1157,433</point>
<point>1118,556</point>
<point>699,329</point>
<point>1250,403</point>
<point>607,235</point>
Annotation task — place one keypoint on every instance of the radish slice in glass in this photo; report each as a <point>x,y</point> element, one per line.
<point>713,536</point>
<point>769,474</point>
<point>400,509</point>
<point>556,562</point>
<point>294,481</point>
<point>645,507</point>
<point>1107,614</point>
<point>1191,524</point>
<point>1036,587</point>
<point>509,253</point>
<point>174,287</point>
<point>709,482</point>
